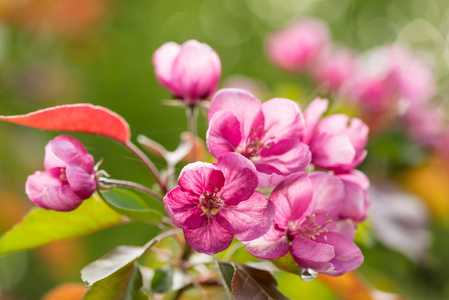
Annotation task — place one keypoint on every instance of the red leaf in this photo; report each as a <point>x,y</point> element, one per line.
<point>77,118</point>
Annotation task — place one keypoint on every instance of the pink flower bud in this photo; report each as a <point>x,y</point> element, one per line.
<point>296,47</point>
<point>190,71</point>
<point>68,178</point>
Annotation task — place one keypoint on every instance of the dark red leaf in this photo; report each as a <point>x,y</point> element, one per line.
<point>76,118</point>
<point>250,283</point>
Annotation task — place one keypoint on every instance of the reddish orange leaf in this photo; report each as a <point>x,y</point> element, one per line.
<point>76,118</point>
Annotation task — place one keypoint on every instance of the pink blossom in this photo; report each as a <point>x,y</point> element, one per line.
<point>268,134</point>
<point>426,124</point>
<point>307,225</point>
<point>296,47</point>
<point>190,71</point>
<point>337,142</point>
<point>334,67</point>
<point>68,178</point>
<point>216,202</point>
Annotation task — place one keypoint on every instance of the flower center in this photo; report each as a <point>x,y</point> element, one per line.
<point>254,142</point>
<point>211,203</point>
<point>63,176</point>
<point>309,227</point>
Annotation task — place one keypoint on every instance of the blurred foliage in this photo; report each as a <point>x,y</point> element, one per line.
<point>66,51</point>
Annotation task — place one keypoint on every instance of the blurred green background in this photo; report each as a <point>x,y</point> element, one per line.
<point>99,51</point>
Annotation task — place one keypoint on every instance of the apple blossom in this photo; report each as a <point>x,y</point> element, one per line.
<point>216,202</point>
<point>68,178</point>
<point>190,71</point>
<point>307,225</point>
<point>266,133</point>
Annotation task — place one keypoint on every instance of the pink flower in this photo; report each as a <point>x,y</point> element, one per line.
<point>296,47</point>
<point>268,134</point>
<point>337,142</point>
<point>216,202</point>
<point>190,71</point>
<point>334,67</point>
<point>68,179</point>
<point>307,225</point>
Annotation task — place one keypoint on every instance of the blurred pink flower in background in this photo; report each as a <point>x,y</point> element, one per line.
<point>216,202</point>
<point>266,133</point>
<point>190,71</point>
<point>296,47</point>
<point>425,124</point>
<point>68,179</point>
<point>334,67</point>
<point>307,225</point>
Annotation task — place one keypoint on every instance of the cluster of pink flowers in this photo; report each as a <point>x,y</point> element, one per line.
<point>384,83</point>
<point>311,214</point>
<point>272,144</point>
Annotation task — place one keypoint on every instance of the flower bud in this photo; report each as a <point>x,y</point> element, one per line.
<point>68,178</point>
<point>190,71</point>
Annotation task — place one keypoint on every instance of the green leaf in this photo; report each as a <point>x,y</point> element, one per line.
<point>251,283</point>
<point>132,205</point>
<point>124,284</point>
<point>40,226</point>
<point>287,263</point>
<point>226,272</point>
<point>110,263</point>
<point>162,281</point>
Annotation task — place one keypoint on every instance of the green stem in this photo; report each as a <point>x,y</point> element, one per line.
<point>125,183</point>
<point>148,163</point>
<point>191,116</point>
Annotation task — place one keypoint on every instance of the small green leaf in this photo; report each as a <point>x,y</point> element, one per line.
<point>40,226</point>
<point>132,205</point>
<point>162,281</point>
<point>110,263</point>
<point>226,272</point>
<point>124,284</point>
<point>287,263</point>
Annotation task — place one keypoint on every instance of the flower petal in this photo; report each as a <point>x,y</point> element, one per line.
<point>200,177</point>
<point>283,120</point>
<point>348,256</point>
<point>328,195</point>
<point>183,209</point>
<point>209,238</point>
<point>331,150</point>
<point>223,134</point>
<point>246,108</point>
<point>163,59</point>
<point>80,179</point>
<point>288,156</point>
<point>270,246</point>
<point>36,184</point>
<point>312,254</point>
<point>240,178</point>
<point>292,197</point>
<point>312,116</point>
<point>250,219</point>
<point>60,198</point>
<point>356,202</point>
<point>61,150</point>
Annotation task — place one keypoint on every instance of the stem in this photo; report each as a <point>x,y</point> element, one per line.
<point>131,184</point>
<point>191,116</point>
<point>148,163</point>
<point>162,236</point>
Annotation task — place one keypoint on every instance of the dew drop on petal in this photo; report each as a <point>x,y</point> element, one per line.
<point>308,274</point>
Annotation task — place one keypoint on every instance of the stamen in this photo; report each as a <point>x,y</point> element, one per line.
<point>63,175</point>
